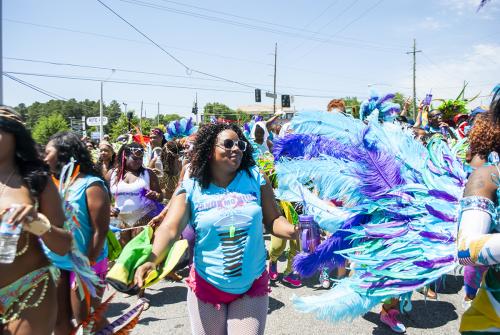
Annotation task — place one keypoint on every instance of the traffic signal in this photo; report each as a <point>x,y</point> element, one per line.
<point>285,100</point>
<point>257,95</point>
<point>195,109</point>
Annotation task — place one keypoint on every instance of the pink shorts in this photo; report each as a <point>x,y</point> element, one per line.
<point>209,294</point>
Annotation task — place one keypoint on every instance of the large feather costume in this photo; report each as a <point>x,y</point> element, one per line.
<point>398,220</point>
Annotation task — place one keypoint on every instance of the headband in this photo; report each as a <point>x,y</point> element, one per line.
<point>9,114</point>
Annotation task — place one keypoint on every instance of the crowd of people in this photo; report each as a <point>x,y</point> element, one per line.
<point>76,217</point>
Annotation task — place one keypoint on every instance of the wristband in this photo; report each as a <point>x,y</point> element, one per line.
<point>39,226</point>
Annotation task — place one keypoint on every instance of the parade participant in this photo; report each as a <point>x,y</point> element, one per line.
<point>227,201</point>
<point>135,189</point>
<point>260,137</point>
<point>171,166</point>
<point>478,234</point>
<point>437,125</point>
<point>106,157</point>
<point>336,105</point>
<point>29,199</point>
<point>88,197</point>
<point>157,141</point>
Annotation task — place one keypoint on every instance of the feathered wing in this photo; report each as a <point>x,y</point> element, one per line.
<point>399,227</point>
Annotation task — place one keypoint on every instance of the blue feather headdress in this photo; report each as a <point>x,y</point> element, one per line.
<point>180,128</point>
<point>398,219</point>
<point>379,108</point>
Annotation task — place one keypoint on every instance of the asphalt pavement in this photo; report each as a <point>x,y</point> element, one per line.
<point>168,312</point>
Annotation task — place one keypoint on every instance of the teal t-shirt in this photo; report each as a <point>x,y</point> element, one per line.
<point>229,250</point>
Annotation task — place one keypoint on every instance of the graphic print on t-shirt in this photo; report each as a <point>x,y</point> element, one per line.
<point>232,228</point>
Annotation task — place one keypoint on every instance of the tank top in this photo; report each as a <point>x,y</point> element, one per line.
<point>130,197</point>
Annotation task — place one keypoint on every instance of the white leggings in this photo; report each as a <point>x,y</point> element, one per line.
<point>244,316</point>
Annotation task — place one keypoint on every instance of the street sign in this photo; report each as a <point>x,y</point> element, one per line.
<point>95,135</point>
<point>96,121</point>
<point>271,95</point>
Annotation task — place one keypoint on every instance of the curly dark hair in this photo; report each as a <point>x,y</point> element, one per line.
<point>484,136</point>
<point>120,160</point>
<point>204,145</point>
<point>33,170</point>
<point>69,145</point>
<point>170,156</point>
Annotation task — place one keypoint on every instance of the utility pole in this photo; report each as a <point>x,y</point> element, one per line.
<point>158,113</point>
<point>414,52</point>
<point>101,112</point>
<point>1,54</point>
<point>125,105</point>
<point>196,106</point>
<point>274,86</point>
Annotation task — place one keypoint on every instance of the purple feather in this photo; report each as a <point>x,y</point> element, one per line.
<point>169,131</point>
<point>407,284</point>
<point>378,171</point>
<point>177,126</point>
<point>246,127</point>
<point>390,263</point>
<point>189,125</point>
<point>308,146</point>
<point>442,195</point>
<point>258,118</point>
<point>437,236</point>
<point>435,263</point>
<point>438,214</point>
<point>386,234</point>
<point>307,264</point>
<point>385,98</point>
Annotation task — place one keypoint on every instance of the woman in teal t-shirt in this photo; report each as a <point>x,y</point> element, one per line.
<point>227,201</point>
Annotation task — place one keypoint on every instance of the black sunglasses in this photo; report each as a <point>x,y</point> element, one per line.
<point>229,144</point>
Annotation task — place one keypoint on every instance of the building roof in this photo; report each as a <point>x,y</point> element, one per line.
<point>262,109</point>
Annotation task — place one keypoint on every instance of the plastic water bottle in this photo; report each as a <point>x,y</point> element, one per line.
<point>9,235</point>
<point>309,233</point>
<point>115,223</point>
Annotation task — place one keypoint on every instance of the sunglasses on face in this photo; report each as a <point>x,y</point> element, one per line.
<point>435,115</point>
<point>137,152</point>
<point>229,144</point>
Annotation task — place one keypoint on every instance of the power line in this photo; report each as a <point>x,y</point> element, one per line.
<point>187,68</point>
<point>129,82</point>
<point>33,87</point>
<point>344,27</point>
<point>243,24</point>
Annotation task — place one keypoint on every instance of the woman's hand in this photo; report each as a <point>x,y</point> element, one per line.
<point>153,195</point>
<point>24,213</point>
<point>156,221</point>
<point>142,272</point>
<point>113,212</point>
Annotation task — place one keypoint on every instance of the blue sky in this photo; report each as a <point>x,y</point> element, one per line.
<point>326,49</point>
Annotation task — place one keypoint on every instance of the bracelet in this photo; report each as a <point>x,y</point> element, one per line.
<point>38,227</point>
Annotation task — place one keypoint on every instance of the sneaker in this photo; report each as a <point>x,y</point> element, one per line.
<point>293,279</point>
<point>273,271</point>
<point>324,278</point>
<point>390,319</point>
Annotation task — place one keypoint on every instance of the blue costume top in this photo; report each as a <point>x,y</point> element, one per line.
<point>229,250</point>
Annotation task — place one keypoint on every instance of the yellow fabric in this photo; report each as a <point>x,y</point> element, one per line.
<point>174,255</point>
<point>482,314</point>
<point>278,245</point>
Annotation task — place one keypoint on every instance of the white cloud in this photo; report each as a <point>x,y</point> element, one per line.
<point>479,67</point>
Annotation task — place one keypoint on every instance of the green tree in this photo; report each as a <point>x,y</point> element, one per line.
<point>218,110</point>
<point>166,118</point>
<point>352,106</point>
<point>48,126</point>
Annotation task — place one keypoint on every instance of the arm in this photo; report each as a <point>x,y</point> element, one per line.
<point>270,122</point>
<point>57,238</point>
<point>154,185</point>
<point>476,245</point>
<point>98,204</point>
<point>418,119</point>
<point>274,222</point>
<point>168,232</point>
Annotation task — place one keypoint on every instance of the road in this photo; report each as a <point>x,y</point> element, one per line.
<point>168,312</point>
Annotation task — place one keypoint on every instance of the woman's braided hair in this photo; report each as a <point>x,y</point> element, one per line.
<point>203,151</point>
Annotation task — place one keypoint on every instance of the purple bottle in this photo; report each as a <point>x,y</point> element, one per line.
<point>309,233</point>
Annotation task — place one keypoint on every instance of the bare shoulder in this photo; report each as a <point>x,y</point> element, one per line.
<point>482,182</point>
